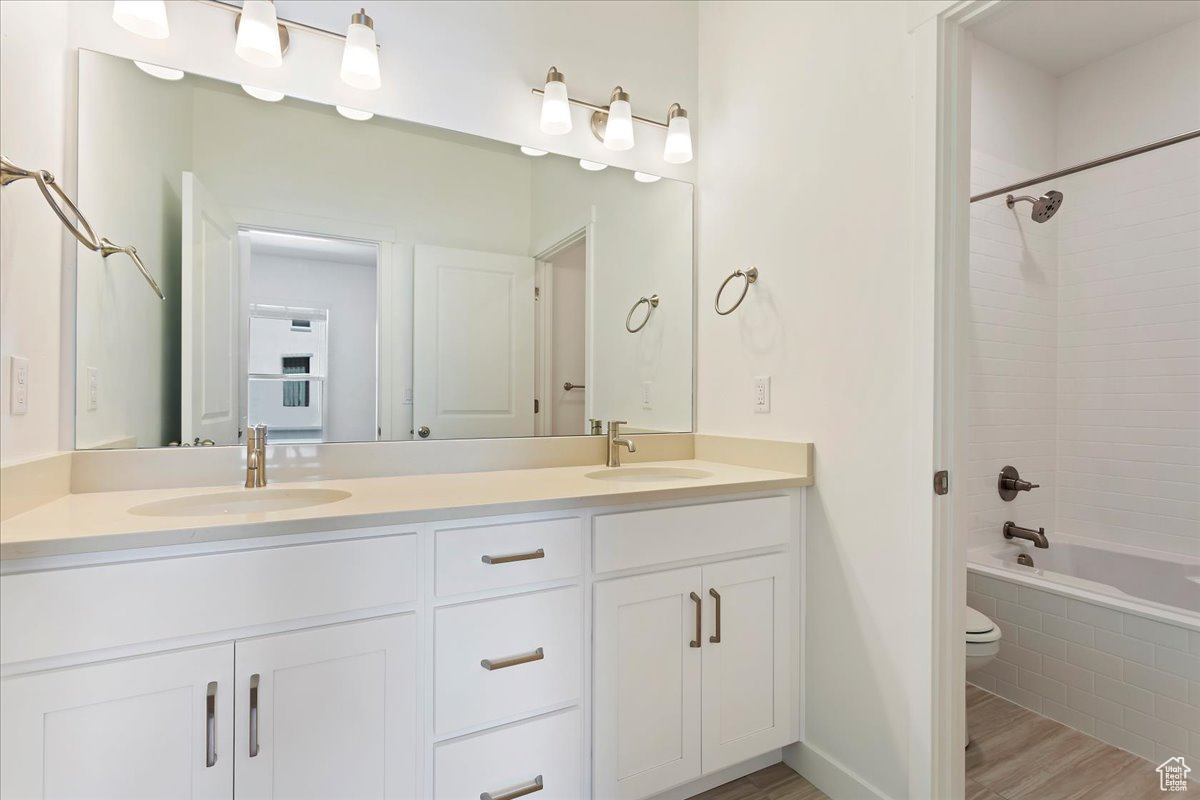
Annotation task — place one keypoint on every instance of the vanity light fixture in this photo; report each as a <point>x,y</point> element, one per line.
<point>355,114</point>
<point>678,149</point>
<point>146,18</point>
<point>618,122</point>
<point>166,73</point>
<point>646,177</point>
<point>556,106</point>
<point>360,58</point>
<point>592,166</point>
<point>261,40</point>
<point>266,95</point>
<point>533,151</point>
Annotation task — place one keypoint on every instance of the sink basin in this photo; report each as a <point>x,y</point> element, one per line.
<point>247,501</point>
<point>648,474</point>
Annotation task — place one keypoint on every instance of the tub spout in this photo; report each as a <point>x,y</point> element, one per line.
<point>1038,537</point>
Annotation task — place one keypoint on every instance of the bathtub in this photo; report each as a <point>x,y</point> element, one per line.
<point>1103,638</point>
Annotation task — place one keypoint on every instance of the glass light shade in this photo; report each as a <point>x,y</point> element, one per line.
<point>166,73</point>
<point>144,17</point>
<point>355,114</point>
<point>533,151</point>
<point>592,166</point>
<point>678,149</point>
<point>618,131</point>
<point>258,34</point>
<point>259,93</point>
<point>556,110</point>
<point>360,59</point>
<point>646,177</point>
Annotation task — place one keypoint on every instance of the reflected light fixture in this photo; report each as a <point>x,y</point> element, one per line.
<point>646,177</point>
<point>678,149</point>
<point>166,73</point>
<point>556,108</point>
<point>592,166</point>
<point>261,40</point>
<point>146,18</point>
<point>360,57</point>
<point>259,93</point>
<point>355,114</point>
<point>533,151</point>
<point>618,128</point>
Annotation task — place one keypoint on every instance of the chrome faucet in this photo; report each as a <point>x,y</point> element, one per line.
<point>614,443</point>
<point>256,456</point>
<point>1038,537</point>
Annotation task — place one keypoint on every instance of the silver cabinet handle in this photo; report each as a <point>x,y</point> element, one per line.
<point>512,661</point>
<point>210,725</point>
<point>716,638</point>
<point>533,786</point>
<point>254,715</point>
<point>696,642</point>
<point>539,553</point>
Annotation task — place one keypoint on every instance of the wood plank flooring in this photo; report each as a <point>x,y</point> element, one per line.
<point>777,782</point>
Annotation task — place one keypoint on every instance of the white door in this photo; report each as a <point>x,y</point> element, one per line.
<point>746,706</point>
<point>211,319</point>
<point>157,726</point>
<point>329,712</point>
<point>646,684</point>
<point>473,345</point>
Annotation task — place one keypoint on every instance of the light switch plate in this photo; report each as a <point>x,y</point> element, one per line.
<point>19,385</point>
<point>93,388</point>
<point>647,395</point>
<point>762,394</point>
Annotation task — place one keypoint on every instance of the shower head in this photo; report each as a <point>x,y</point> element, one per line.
<point>1044,207</point>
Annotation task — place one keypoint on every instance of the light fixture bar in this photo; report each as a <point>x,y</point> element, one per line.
<point>604,109</point>
<point>230,7</point>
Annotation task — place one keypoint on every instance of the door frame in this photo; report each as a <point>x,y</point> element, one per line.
<point>542,332</point>
<point>942,119</point>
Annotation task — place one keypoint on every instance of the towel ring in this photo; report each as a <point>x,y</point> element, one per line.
<point>651,304</point>
<point>751,275</point>
<point>46,183</point>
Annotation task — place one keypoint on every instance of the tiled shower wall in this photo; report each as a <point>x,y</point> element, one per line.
<point>1131,681</point>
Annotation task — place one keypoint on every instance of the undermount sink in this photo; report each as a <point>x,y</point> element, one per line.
<point>648,474</point>
<point>249,501</point>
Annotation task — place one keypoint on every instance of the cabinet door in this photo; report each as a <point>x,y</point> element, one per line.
<point>646,684</point>
<point>329,712</point>
<point>747,689</point>
<point>157,726</point>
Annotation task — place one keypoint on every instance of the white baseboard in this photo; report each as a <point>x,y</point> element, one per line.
<point>828,774</point>
<point>719,777</point>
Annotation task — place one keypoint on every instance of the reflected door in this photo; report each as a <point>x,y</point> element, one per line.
<point>473,346</point>
<point>210,319</point>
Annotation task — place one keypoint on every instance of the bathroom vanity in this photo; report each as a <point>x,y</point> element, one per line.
<point>620,636</point>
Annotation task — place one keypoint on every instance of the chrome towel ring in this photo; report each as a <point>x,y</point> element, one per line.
<point>751,275</point>
<point>651,304</point>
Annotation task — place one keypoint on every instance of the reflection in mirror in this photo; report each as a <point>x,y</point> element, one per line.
<point>353,281</point>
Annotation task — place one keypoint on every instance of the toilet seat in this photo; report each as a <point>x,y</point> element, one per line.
<point>980,629</point>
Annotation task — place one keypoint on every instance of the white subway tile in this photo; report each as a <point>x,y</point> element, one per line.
<point>1019,615</point>
<point>1194,643</point>
<point>1041,643</point>
<point>1095,615</point>
<point>999,670</point>
<point>1125,647</point>
<point>1194,693</point>
<point>1042,601</point>
<point>1067,716</point>
<point>1018,656</point>
<point>1125,694</point>
<point>1154,680</point>
<point>982,603</point>
<point>1194,744</point>
<point>1067,629</point>
<point>1022,697</point>
<point>1046,688</point>
<point>1155,729</point>
<point>1126,740</point>
<point>1069,674</point>
<point>983,681</point>
<point>1157,632</point>
<point>1094,706</point>
<point>1001,590</point>
<point>1187,666</point>
<point>1176,713</point>
<point>1094,660</point>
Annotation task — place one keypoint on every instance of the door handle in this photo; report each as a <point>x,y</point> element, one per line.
<point>539,553</point>
<point>512,661</point>
<point>423,431</point>
<point>716,637</point>
<point>210,725</point>
<point>254,715</point>
<point>696,642</point>
<point>534,785</point>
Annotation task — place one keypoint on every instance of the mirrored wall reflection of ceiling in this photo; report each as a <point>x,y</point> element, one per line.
<point>1060,36</point>
<point>291,245</point>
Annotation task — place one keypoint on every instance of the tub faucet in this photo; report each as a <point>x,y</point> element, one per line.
<point>614,443</point>
<point>1038,537</point>
<point>256,456</point>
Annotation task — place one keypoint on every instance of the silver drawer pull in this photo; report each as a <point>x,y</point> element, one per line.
<point>533,786</point>
<point>210,725</point>
<point>539,553</point>
<point>254,715</point>
<point>512,661</point>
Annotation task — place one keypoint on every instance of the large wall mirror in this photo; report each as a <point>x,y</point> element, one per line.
<point>343,280</point>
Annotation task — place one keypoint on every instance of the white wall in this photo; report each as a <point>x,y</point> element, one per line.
<point>808,107</point>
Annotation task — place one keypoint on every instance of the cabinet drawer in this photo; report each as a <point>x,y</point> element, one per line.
<point>505,760</point>
<point>531,643</point>
<point>511,554</point>
<point>54,613</point>
<point>661,535</point>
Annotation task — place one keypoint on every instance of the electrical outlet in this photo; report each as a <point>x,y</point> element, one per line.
<point>647,395</point>
<point>93,388</point>
<point>19,384</point>
<point>408,396</point>
<point>762,394</point>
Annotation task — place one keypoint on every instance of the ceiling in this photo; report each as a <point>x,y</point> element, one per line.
<point>1060,36</point>
<point>313,248</point>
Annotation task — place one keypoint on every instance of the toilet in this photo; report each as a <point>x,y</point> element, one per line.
<point>983,643</point>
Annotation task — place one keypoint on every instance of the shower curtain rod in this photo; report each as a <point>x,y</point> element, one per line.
<point>1183,137</point>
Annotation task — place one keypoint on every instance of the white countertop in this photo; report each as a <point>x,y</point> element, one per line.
<point>101,521</point>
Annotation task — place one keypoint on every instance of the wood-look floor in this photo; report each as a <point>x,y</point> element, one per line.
<point>1014,755</point>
